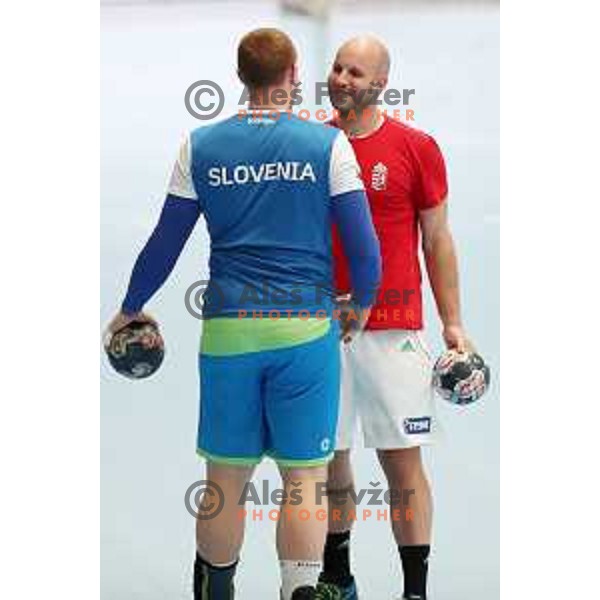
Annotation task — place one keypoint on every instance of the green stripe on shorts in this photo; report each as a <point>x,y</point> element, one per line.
<point>228,460</point>
<point>250,461</point>
<point>229,336</point>
<point>300,463</point>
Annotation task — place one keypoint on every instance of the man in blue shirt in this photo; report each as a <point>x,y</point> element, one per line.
<point>270,186</point>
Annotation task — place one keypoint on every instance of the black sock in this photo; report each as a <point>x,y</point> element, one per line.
<point>213,583</point>
<point>336,559</point>
<point>414,565</point>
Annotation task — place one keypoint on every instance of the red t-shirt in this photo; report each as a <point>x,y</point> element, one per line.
<point>403,171</point>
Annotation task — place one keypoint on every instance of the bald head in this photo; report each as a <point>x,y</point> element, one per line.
<point>370,50</point>
<point>359,73</point>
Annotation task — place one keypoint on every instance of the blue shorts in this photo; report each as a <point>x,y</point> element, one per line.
<point>281,402</point>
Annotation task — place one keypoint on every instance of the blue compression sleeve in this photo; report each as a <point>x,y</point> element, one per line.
<point>157,259</point>
<point>352,215</point>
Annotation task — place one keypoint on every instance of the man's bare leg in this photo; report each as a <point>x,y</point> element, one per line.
<point>219,539</point>
<point>342,507</point>
<point>301,529</point>
<point>405,474</point>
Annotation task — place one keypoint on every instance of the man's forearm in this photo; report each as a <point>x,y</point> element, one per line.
<point>442,269</point>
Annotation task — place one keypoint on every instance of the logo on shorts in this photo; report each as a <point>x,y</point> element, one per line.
<point>325,445</point>
<point>407,347</point>
<point>417,425</point>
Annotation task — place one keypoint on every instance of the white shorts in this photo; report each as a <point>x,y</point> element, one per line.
<point>387,391</point>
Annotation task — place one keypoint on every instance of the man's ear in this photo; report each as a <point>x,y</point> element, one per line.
<point>294,73</point>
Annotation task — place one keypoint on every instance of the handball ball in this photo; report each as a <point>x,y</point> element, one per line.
<point>460,378</point>
<point>137,350</point>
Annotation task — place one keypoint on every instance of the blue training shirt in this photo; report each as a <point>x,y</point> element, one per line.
<point>265,187</point>
<point>269,189</point>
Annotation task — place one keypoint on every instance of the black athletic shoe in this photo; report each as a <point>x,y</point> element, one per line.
<point>323,591</point>
<point>305,592</point>
<point>327,591</point>
<point>347,591</point>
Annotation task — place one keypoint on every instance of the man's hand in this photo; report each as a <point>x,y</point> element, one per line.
<point>456,339</point>
<point>121,320</point>
<point>352,318</point>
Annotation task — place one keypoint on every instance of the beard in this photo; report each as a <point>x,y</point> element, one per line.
<point>357,100</point>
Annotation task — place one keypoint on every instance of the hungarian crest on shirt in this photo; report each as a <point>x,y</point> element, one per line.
<point>379,175</point>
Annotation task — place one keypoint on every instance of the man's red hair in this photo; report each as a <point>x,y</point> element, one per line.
<point>264,55</point>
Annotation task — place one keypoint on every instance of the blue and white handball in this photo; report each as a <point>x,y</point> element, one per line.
<point>460,378</point>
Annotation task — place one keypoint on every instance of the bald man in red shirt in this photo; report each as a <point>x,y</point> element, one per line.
<point>386,380</point>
